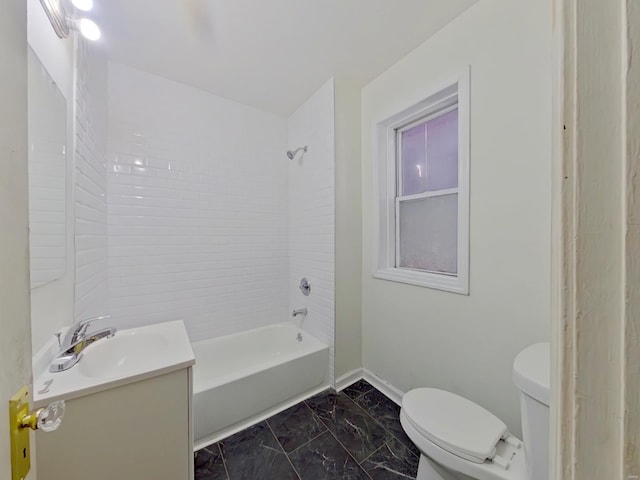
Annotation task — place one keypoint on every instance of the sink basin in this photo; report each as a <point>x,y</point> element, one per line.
<point>126,351</point>
<point>130,356</point>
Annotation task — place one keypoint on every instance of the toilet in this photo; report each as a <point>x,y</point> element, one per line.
<point>460,440</point>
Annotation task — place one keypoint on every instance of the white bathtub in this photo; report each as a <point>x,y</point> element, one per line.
<point>245,377</point>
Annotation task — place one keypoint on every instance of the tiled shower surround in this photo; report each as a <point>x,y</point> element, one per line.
<point>352,435</point>
<point>197,195</point>
<point>203,225</point>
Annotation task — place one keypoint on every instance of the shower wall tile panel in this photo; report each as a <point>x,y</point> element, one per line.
<point>197,196</point>
<point>312,214</point>
<point>90,186</point>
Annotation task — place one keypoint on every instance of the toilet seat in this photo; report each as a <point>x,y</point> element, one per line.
<point>454,423</point>
<point>481,471</point>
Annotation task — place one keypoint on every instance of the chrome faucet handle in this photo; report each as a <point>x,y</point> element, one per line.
<point>79,329</point>
<point>76,331</point>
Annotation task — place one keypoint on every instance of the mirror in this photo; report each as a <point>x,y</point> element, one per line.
<point>47,131</point>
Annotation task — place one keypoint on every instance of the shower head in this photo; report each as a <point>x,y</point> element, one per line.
<point>291,154</point>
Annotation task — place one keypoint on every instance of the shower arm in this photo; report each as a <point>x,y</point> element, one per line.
<point>292,153</point>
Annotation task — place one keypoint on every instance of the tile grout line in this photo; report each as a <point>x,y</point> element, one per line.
<point>359,394</point>
<point>224,461</point>
<point>283,450</point>
<point>349,453</point>
<point>368,413</point>
<point>393,435</point>
<point>310,440</point>
<point>317,419</point>
<point>376,450</point>
<point>342,445</point>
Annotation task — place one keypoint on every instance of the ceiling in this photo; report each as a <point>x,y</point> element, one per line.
<point>271,54</point>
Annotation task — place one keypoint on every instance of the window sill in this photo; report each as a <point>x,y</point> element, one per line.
<point>424,279</point>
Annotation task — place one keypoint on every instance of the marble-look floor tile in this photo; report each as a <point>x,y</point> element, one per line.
<point>326,437</point>
<point>209,464</point>
<point>295,426</point>
<point>392,461</point>
<point>351,425</point>
<point>323,458</point>
<point>355,390</point>
<point>387,413</point>
<point>323,402</point>
<point>254,454</point>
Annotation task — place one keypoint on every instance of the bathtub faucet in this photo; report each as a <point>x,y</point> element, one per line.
<point>299,311</point>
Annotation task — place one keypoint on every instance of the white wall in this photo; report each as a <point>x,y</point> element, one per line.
<point>414,336</point>
<point>90,185</point>
<point>52,303</point>
<point>197,208</point>
<point>348,224</point>
<point>312,214</point>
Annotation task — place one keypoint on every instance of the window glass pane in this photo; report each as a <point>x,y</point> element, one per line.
<point>442,152</point>
<point>414,160</point>
<point>429,234</point>
<point>429,155</point>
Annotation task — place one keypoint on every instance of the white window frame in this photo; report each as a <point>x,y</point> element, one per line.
<point>437,101</point>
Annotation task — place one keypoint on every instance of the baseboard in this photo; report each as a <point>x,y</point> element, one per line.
<point>394,394</point>
<point>391,392</point>
<point>238,427</point>
<point>349,378</point>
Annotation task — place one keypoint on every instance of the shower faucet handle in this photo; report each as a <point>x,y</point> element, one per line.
<point>305,287</point>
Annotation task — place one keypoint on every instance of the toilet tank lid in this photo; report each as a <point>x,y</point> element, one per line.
<point>532,371</point>
<point>454,423</point>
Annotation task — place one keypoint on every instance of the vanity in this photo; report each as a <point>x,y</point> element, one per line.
<point>128,409</point>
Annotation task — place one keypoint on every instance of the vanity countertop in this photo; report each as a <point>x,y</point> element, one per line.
<point>130,356</point>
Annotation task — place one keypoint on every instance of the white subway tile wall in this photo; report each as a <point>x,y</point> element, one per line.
<point>197,195</point>
<point>90,186</point>
<point>312,214</point>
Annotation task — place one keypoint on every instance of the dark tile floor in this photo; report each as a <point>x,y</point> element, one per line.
<point>354,434</point>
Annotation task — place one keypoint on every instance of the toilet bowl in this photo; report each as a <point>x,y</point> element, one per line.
<point>459,439</point>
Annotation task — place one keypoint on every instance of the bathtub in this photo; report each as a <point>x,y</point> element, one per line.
<point>243,378</point>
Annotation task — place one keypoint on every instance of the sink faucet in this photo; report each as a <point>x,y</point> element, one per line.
<point>299,311</point>
<point>76,340</point>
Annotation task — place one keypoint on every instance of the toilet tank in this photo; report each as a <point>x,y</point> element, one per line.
<point>531,374</point>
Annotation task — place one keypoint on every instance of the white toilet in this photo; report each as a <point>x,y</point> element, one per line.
<point>460,440</point>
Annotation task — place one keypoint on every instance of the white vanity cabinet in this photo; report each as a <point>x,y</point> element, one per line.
<point>136,431</point>
<point>128,412</point>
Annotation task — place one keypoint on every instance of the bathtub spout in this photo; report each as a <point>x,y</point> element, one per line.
<point>299,311</point>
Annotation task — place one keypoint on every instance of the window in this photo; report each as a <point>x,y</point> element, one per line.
<point>423,190</point>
